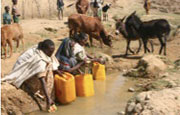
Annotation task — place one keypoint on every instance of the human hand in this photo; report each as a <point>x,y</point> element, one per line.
<point>60,73</point>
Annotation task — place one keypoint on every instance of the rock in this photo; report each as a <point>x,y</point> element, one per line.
<point>147,97</point>
<point>131,89</point>
<point>164,75</point>
<point>121,113</point>
<point>50,29</point>
<point>15,101</point>
<point>139,85</point>
<point>148,66</point>
<point>152,64</point>
<point>138,108</point>
<point>131,107</point>
<point>177,64</point>
<point>165,102</point>
<point>108,59</point>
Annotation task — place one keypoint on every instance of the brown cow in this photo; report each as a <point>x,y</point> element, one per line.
<point>9,33</point>
<point>82,6</point>
<point>90,25</point>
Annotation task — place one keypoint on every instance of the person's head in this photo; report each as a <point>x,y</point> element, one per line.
<point>14,2</point>
<point>81,38</point>
<point>47,46</point>
<point>6,8</point>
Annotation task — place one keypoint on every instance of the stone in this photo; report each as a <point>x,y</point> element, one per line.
<point>138,108</point>
<point>131,89</point>
<point>147,97</point>
<point>16,101</point>
<point>108,59</point>
<point>131,107</point>
<point>158,103</point>
<point>121,113</point>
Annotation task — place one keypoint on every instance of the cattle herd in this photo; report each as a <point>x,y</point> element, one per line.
<point>132,28</point>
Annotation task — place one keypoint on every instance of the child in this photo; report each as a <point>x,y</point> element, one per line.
<point>6,16</point>
<point>15,12</point>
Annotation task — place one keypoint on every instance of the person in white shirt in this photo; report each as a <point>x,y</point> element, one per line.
<point>34,69</point>
<point>79,51</point>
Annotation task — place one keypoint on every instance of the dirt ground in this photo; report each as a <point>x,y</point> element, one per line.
<point>36,30</point>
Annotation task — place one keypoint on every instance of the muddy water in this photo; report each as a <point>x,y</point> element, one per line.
<point>109,99</point>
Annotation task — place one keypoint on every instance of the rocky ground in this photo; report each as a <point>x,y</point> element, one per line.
<point>156,75</point>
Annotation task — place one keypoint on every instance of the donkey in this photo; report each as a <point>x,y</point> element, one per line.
<point>158,28</point>
<point>130,34</point>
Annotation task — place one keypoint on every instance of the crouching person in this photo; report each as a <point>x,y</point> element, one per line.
<point>33,72</point>
<point>66,57</point>
<point>79,51</point>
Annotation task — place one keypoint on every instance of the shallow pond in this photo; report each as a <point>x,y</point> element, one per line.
<point>110,98</point>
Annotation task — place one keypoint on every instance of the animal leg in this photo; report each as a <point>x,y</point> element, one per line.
<point>152,47</point>
<point>165,39</point>
<point>128,48</point>
<point>62,14</point>
<point>140,44</point>
<point>22,42</point>
<point>101,42</point>
<point>91,41</point>
<point>145,45</point>
<point>162,44</point>
<point>17,46</point>
<point>5,50</point>
<point>10,45</point>
<point>70,33</point>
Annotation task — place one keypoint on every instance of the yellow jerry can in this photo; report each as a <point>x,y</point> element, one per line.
<point>98,71</point>
<point>65,88</point>
<point>84,85</point>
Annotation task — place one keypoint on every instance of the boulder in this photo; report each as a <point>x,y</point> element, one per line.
<point>148,66</point>
<point>15,101</point>
<point>163,102</point>
<point>108,59</point>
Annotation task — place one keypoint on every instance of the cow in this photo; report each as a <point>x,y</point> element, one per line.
<point>105,9</point>
<point>82,6</point>
<point>10,33</point>
<point>96,7</point>
<point>89,25</point>
<point>157,28</point>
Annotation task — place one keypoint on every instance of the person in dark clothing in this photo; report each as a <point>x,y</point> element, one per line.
<point>15,11</point>
<point>60,5</point>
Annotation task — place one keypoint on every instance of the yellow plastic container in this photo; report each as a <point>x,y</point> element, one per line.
<point>98,71</point>
<point>65,88</point>
<point>84,85</point>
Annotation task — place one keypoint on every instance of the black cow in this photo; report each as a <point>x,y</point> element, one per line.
<point>158,28</point>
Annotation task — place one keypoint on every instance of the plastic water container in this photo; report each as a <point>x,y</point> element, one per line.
<point>84,85</point>
<point>98,71</point>
<point>65,88</point>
